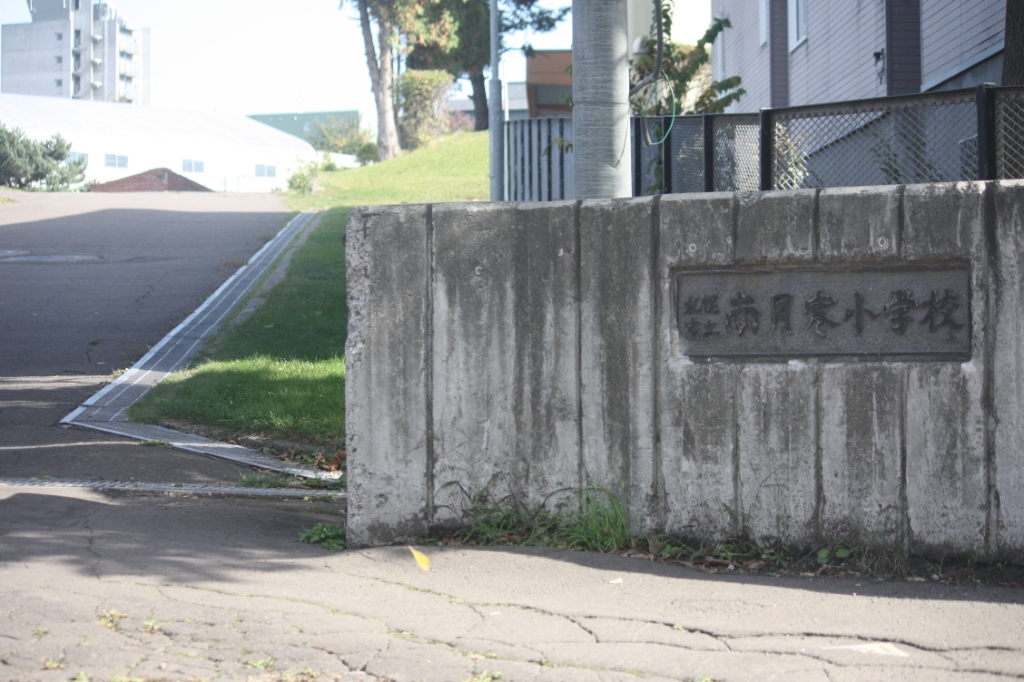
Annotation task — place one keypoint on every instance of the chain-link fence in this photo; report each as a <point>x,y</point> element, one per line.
<point>975,134</point>
<point>886,141</point>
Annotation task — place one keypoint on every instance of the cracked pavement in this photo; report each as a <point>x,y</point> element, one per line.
<point>221,590</point>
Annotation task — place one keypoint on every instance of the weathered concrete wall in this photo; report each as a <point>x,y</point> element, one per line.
<point>535,349</point>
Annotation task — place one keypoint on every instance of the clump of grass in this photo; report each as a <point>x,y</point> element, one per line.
<point>324,534</point>
<point>265,479</point>
<point>595,520</point>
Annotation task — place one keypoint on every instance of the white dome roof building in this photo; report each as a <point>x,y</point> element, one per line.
<point>224,152</point>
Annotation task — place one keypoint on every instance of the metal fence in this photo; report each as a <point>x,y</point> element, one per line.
<point>975,134</point>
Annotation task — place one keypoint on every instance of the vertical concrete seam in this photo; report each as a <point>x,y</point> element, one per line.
<point>658,482</point>
<point>734,219</point>
<point>576,210</point>
<point>990,410</point>
<point>901,191</point>
<point>815,225</point>
<point>737,483</point>
<point>819,465</point>
<point>905,530</point>
<point>428,352</point>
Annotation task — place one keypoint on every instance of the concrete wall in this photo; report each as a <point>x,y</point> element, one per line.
<point>535,348</point>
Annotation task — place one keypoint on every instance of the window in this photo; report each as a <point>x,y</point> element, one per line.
<point>78,4</point>
<point>122,162</point>
<point>197,166</point>
<point>60,60</point>
<point>764,20</point>
<point>186,166</point>
<point>261,170</point>
<point>60,36</point>
<point>271,172</point>
<point>115,161</point>
<point>75,156</point>
<point>797,23</point>
<point>59,82</point>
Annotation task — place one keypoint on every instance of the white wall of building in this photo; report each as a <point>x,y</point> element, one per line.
<point>232,149</point>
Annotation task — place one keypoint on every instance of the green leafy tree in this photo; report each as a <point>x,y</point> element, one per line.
<point>26,163</point>
<point>681,67</point>
<point>470,52</point>
<point>344,136</point>
<point>418,21</point>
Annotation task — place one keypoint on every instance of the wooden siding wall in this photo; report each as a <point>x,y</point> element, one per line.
<point>745,56</point>
<point>954,32</point>
<point>837,62</point>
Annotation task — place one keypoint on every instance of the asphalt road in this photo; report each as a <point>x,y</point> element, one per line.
<point>88,283</point>
<point>161,590</point>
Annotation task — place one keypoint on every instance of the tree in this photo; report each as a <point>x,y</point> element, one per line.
<point>344,136</point>
<point>470,53</point>
<point>681,68</point>
<point>392,18</point>
<point>27,163</point>
<point>1013,52</point>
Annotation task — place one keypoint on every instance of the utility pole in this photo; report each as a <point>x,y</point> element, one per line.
<point>600,99</point>
<point>496,124</point>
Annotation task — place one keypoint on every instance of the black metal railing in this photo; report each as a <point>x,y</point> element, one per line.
<point>975,134</point>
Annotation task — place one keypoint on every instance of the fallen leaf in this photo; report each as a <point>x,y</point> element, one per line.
<point>422,559</point>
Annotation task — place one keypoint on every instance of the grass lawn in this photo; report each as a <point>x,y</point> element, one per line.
<point>280,374</point>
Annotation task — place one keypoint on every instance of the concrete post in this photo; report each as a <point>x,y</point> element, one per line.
<point>496,123</point>
<point>600,93</point>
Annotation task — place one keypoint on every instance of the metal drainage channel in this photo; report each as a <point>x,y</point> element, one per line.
<point>181,489</point>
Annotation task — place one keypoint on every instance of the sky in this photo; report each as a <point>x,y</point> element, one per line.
<point>266,56</point>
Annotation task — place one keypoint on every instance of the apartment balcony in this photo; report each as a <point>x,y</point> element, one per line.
<point>128,71</point>
<point>128,46</point>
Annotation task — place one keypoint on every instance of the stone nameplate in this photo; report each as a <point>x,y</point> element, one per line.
<point>890,311</point>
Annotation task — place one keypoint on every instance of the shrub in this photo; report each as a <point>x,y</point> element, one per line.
<point>421,96</point>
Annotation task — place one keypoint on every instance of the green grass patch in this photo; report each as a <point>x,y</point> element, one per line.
<point>281,372</point>
<point>324,534</point>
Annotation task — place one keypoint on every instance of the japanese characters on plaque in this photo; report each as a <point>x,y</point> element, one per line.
<point>903,310</point>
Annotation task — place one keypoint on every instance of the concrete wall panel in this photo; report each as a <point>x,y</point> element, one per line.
<point>698,410</point>
<point>474,336</point>
<point>947,491</point>
<point>696,402</point>
<point>616,351</point>
<point>859,224</point>
<point>861,444</point>
<point>385,358</point>
<point>777,421</point>
<point>776,227</point>
<point>545,387</point>
<point>942,221</point>
<point>1008,362</point>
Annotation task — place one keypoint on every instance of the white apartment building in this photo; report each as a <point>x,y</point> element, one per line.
<point>76,49</point>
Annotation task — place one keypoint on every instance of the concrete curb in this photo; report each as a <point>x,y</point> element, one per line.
<point>179,490</point>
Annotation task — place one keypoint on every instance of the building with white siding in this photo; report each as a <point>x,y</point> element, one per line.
<point>796,52</point>
<point>224,152</point>
<point>76,49</point>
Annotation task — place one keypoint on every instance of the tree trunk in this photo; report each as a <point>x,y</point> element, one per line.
<point>1013,51</point>
<point>600,100</point>
<point>480,110</point>
<point>381,81</point>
